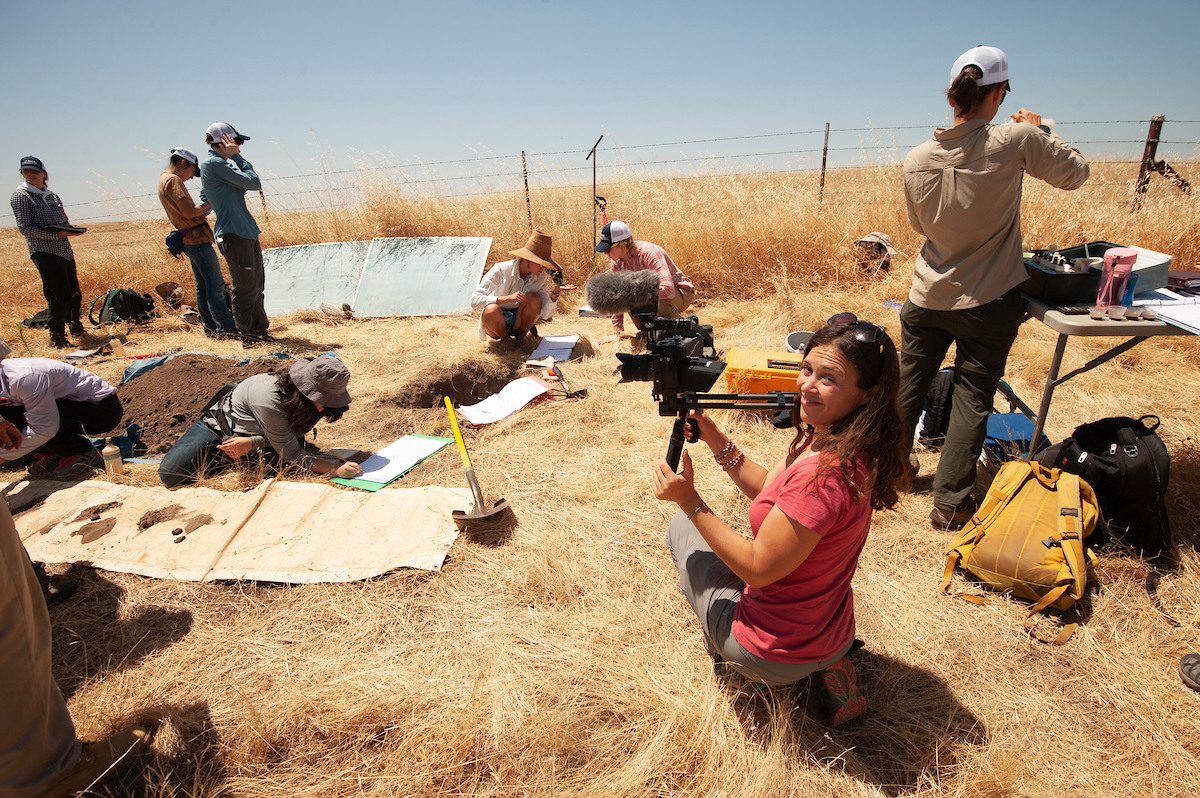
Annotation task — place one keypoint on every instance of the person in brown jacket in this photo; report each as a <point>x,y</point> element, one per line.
<point>198,239</point>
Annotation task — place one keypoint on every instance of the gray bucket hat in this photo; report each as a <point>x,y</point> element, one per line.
<point>323,380</point>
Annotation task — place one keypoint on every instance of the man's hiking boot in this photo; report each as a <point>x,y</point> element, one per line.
<point>1189,670</point>
<point>955,520</point>
<point>101,761</point>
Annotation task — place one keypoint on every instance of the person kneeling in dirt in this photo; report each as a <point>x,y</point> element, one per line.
<point>269,414</point>
<point>779,607</point>
<point>514,294</point>
<point>55,406</point>
<point>675,292</point>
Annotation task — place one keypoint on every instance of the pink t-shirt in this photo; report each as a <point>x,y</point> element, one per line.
<point>809,614</point>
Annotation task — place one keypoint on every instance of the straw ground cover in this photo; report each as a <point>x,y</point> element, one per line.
<point>560,658</point>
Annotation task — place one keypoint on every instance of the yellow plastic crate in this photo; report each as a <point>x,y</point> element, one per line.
<point>755,371</point>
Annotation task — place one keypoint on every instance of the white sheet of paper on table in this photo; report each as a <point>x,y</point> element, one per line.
<point>392,461</point>
<point>512,397</point>
<point>557,346</point>
<point>1182,311</point>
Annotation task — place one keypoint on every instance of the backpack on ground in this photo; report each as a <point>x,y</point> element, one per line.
<point>1128,465</point>
<point>936,419</point>
<point>121,304</point>
<point>1027,539</point>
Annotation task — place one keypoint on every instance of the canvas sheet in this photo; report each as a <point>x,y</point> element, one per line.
<point>431,276</point>
<point>420,276</point>
<point>307,275</point>
<point>293,532</point>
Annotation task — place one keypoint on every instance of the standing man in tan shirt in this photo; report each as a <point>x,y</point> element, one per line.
<point>963,191</point>
<point>197,242</point>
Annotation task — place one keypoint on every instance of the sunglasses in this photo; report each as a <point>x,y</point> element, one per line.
<point>865,332</point>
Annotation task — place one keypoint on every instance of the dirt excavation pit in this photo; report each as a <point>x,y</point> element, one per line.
<point>168,399</point>
<point>466,383</point>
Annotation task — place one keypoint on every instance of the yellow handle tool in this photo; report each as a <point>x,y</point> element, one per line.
<point>479,510</point>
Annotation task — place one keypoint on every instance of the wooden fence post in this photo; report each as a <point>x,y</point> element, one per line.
<point>824,155</point>
<point>1149,165</point>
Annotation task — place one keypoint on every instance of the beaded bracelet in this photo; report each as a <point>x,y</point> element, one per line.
<point>734,463</point>
<point>729,448</point>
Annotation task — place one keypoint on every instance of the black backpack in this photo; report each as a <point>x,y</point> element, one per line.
<point>121,304</point>
<point>1129,468</point>
<point>937,410</point>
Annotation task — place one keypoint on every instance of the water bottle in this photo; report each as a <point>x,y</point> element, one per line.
<point>1118,266</point>
<point>112,458</point>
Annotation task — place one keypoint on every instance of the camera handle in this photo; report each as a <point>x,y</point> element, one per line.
<point>775,400</point>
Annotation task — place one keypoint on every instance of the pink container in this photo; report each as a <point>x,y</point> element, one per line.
<point>1118,265</point>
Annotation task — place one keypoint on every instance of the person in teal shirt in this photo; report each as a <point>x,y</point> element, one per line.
<point>225,177</point>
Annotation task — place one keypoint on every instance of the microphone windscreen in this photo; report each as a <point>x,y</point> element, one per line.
<point>618,292</point>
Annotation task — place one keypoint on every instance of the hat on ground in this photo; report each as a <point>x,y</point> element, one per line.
<point>29,162</point>
<point>218,129</point>
<point>323,380</point>
<point>613,233</point>
<point>537,248</point>
<point>882,239</point>
<point>187,155</point>
<point>991,61</point>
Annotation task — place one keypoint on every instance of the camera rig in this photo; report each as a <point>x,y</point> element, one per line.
<point>682,365</point>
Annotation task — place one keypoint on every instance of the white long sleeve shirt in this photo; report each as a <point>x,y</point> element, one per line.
<point>36,382</point>
<point>504,279</point>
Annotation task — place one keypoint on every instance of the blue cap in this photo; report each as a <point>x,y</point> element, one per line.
<point>29,162</point>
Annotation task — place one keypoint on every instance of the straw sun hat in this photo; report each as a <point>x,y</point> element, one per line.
<point>537,248</point>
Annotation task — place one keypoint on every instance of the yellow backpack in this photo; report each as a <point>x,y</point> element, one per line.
<point>1027,538</point>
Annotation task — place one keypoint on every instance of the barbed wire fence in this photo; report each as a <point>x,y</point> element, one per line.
<point>331,189</point>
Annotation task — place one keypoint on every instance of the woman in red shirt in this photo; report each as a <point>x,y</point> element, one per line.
<point>779,607</point>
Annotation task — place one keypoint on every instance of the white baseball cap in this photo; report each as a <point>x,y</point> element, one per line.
<point>218,129</point>
<point>614,232</point>
<point>187,155</point>
<point>991,61</point>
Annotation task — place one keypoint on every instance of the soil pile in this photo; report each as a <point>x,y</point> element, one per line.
<point>166,400</point>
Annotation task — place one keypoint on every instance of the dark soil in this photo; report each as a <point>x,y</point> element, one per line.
<point>166,400</point>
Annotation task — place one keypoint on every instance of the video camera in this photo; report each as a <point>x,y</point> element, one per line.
<point>682,365</point>
<point>680,360</point>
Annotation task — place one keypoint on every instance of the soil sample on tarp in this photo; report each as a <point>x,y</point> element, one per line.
<point>168,399</point>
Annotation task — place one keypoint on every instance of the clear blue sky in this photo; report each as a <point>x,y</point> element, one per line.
<point>102,91</point>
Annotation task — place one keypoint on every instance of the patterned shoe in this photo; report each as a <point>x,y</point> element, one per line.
<point>841,682</point>
<point>42,465</point>
<point>79,464</point>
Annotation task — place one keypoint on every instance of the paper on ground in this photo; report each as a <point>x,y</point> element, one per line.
<point>512,397</point>
<point>296,532</point>
<point>396,460</point>
<point>559,347</point>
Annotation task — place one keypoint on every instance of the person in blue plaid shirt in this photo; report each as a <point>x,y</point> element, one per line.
<point>36,207</point>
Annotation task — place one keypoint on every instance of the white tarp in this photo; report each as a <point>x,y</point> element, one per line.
<point>294,532</point>
<point>420,276</point>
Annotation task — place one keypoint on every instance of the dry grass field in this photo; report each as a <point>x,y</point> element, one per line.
<point>560,658</point>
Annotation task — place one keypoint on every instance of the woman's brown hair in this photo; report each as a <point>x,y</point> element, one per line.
<point>965,93</point>
<point>873,429</point>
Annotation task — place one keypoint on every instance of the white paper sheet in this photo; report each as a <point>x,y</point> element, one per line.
<point>557,346</point>
<point>1182,311</point>
<point>512,397</point>
<point>392,461</point>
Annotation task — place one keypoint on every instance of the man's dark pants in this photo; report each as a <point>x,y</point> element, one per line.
<point>244,256</point>
<point>982,337</point>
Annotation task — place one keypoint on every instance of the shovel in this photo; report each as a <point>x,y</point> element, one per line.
<point>478,509</point>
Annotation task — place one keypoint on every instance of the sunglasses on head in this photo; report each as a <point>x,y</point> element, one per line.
<point>866,332</point>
